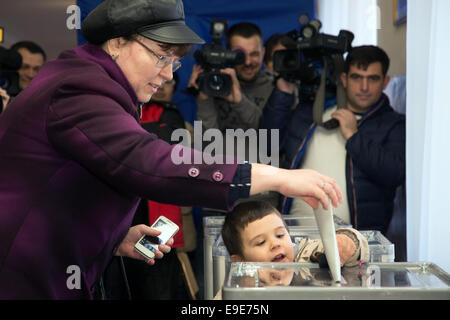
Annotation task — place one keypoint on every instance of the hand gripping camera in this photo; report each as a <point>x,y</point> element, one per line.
<point>213,57</point>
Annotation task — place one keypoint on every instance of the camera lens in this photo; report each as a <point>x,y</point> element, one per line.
<point>4,83</point>
<point>215,82</point>
<point>290,61</point>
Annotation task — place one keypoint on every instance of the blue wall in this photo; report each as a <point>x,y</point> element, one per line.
<point>272,17</point>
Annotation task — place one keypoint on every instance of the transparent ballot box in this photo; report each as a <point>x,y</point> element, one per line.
<point>301,281</point>
<point>212,226</point>
<point>214,263</point>
<point>381,250</point>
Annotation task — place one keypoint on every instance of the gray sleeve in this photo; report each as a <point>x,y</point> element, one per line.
<point>208,113</point>
<point>249,113</point>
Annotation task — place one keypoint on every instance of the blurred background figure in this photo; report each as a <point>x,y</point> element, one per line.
<point>274,43</point>
<point>33,57</point>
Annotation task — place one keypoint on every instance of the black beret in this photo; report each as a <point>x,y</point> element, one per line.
<point>159,20</point>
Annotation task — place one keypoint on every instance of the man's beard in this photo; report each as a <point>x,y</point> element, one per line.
<point>248,80</point>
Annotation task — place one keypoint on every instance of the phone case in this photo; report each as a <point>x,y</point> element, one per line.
<point>147,244</point>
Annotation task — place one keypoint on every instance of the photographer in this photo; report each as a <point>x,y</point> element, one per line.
<point>250,89</point>
<point>365,152</point>
<point>274,43</point>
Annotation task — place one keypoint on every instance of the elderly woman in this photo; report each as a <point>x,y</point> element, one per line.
<point>74,160</point>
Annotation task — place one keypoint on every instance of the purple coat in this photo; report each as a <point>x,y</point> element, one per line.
<point>74,162</point>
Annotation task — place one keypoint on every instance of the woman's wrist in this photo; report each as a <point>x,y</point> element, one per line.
<point>265,178</point>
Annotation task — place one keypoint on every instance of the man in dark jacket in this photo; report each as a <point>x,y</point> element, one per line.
<point>365,153</point>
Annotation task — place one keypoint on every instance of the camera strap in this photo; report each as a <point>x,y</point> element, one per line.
<point>319,101</point>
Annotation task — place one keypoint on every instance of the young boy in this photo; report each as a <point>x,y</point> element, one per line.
<point>255,231</point>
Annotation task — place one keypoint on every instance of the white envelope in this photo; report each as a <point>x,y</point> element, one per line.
<point>325,222</point>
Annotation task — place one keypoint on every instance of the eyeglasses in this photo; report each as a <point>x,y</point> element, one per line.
<point>162,61</point>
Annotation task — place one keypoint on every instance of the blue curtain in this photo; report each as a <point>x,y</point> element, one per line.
<point>270,16</point>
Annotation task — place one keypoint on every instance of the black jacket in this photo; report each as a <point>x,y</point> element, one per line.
<point>375,164</point>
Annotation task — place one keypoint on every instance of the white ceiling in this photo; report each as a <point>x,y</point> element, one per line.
<point>41,21</point>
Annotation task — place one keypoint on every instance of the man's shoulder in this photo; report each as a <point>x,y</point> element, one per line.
<point>69,67</point>
<point>390,115</point>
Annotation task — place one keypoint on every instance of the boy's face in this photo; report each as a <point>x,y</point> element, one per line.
<point>266,240</point>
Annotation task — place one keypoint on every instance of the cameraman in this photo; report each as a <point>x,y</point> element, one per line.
<point>365,153</point>
<point>274,43</point>
<point>251,87</point>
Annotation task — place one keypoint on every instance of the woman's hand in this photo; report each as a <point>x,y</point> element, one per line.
<point>126,248</point>
<point>309,185</point>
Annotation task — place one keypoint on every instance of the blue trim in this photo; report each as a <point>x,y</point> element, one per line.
<point>287,206</point>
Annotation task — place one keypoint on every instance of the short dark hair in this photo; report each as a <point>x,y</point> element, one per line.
<point>30,46</point>
<point>239,218</point>
<point>271,42</point>
<point>243,29</point>
<point>362,56</point>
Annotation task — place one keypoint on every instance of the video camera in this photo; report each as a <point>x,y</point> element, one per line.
<point>10,62</point>
<point>305,56</point>
<point>213,57</point>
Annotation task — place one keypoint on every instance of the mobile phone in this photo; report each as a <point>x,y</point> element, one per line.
<point>147,245</point>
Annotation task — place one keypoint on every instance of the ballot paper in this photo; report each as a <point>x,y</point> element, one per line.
<point>325,222</point>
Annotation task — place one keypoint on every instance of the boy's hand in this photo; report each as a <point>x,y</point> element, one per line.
<point>346,247</point>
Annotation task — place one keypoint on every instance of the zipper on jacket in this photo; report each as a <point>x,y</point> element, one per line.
<point>350,161</point>
<point>352,183</point>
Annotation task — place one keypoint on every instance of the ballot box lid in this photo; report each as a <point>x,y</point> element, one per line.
<point>393,280</point>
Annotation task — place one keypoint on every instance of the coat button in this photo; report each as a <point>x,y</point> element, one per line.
<point>217,176</point>
<point>193,172</point>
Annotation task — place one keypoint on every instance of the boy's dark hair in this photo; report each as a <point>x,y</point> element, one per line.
<point>362,56</point>
<point>243,29</point>
<point>239,218</point>
<point>30,46</point>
